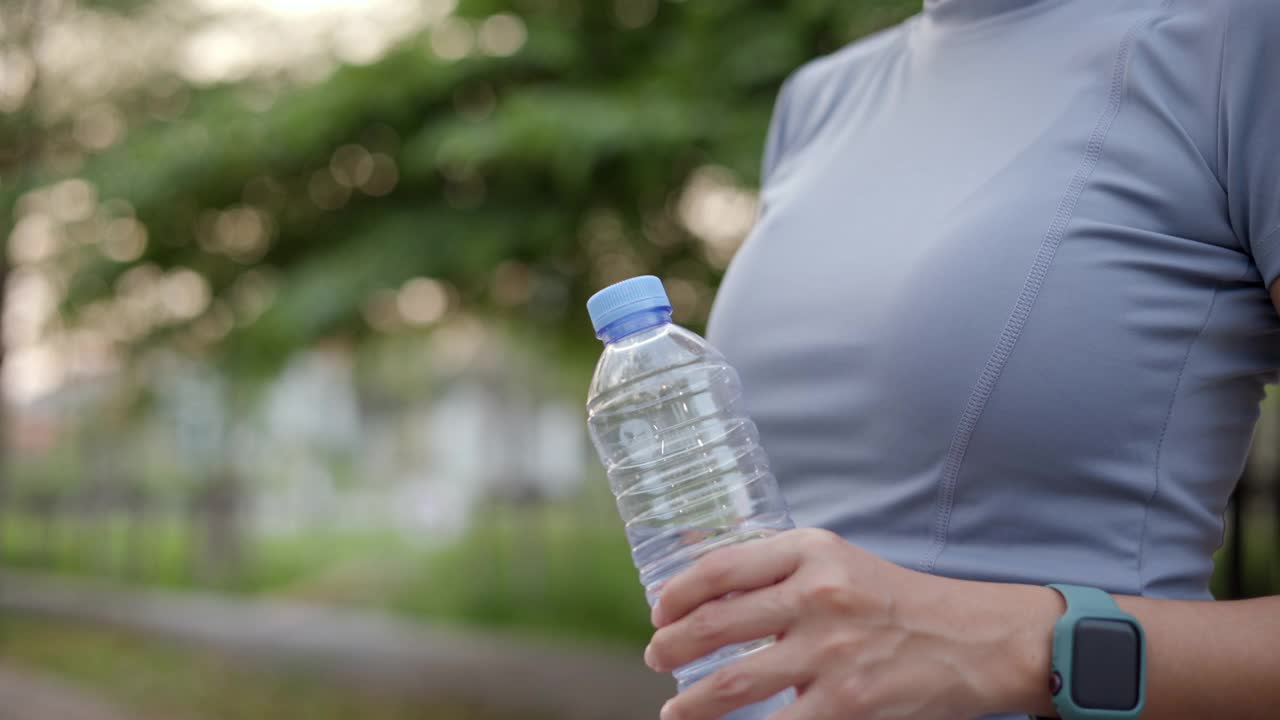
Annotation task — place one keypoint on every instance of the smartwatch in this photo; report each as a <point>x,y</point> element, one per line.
<point>1099,661</point>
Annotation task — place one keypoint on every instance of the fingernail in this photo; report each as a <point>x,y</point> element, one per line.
<point>648,657</point>
<point>667,713</point>
<point>655,616</point>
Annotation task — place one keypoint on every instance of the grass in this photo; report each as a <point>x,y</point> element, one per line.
<point>564,571</point>
<point>541,571</point>
<point>165,551</point>
<point>161,679</point>
<point>100,546</point>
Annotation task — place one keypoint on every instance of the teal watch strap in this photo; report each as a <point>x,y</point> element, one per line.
<point>1088,601</point>
<point>1091,604</point>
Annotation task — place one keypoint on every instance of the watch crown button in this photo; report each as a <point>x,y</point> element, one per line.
<point>1055,683</point>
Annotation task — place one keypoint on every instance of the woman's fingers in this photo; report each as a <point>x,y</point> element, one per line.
<point>756,677</point>
<point>737,568</point>
<point>715,624</point>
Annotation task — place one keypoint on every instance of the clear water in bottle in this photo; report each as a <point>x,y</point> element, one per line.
<point>684,461</point>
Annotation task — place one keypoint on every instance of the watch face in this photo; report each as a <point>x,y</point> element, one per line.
<point>1106,665</point>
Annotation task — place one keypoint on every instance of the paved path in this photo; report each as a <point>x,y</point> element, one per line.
<point>506,674</point>
<point>25,695</point>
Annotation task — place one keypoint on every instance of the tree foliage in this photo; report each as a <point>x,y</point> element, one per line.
<point>550,170</point>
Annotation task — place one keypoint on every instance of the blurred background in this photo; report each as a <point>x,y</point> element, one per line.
<point>294,347</point>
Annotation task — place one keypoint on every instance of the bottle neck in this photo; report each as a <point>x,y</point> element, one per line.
<point>634,323</point>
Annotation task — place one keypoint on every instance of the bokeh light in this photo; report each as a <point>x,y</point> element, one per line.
<point>634,14</point>
<point>502,35</point>
<point>124,239</point>
<point>719,211</point>
<point>453,39</point>
<point>351,165</point>
<point>422,301</point>
<point>382,180</point>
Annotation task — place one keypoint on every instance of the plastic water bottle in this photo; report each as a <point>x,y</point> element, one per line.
<point>684,460</point>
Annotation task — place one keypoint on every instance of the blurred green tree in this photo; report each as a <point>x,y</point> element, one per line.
<point>518,153</point>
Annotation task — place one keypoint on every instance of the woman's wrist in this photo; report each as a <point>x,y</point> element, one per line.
<point>1006,632</point>
<point>1033,610</point>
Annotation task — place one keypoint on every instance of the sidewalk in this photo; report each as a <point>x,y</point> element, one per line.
<point>371,649</point>
<point>25,695</point>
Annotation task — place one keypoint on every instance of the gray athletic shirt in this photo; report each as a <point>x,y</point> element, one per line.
<point>1004,315</point>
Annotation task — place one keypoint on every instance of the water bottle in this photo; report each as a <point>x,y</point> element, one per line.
<point>684,461</point>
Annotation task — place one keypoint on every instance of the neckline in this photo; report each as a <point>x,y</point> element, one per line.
<point>971,10</point>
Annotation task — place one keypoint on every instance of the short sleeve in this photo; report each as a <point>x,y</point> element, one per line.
<point>1249,128</point>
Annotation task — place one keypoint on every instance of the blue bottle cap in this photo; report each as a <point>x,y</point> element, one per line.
<point>629,296</point>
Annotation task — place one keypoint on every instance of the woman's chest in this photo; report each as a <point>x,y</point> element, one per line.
<point>931,225</point>
<point>926,207</point>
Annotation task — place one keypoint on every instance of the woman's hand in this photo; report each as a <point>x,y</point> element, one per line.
<point>857,636</point>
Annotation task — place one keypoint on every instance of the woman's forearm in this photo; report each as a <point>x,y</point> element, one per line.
<point>1204,659</point>
<point>1210,659</point>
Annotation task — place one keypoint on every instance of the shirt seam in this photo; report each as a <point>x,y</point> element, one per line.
<point>985,385</point>
<point>1218,156</point>
<point>1164,431</point>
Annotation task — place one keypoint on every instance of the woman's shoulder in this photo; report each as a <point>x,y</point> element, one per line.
<point>846,64</point>
<point>813,93</point>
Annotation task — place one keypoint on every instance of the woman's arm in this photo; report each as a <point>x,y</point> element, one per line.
<point>862,638</point>
<point>1210,659</point>
<point>1205,659</point>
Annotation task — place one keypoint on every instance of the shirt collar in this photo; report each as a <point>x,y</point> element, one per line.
<point>961,10</point>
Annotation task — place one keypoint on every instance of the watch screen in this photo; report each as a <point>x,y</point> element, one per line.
<point>1105,669</point>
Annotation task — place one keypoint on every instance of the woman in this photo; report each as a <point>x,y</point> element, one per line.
<point>1004,322</point>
